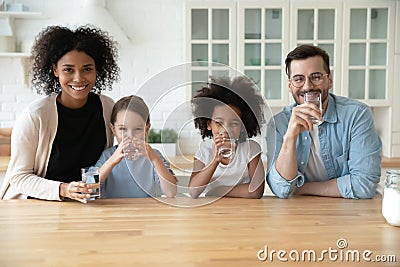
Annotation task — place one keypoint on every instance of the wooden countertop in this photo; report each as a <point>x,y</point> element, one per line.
<point>391,163</point>
<point>226,232</point>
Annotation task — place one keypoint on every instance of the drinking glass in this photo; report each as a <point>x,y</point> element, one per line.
<point>90,175</point>
<point>391,197</point>
<point>227,150</point>
<point>131,150</point>
<point>314,98</point>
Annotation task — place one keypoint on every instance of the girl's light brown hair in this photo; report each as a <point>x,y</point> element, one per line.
<point>132,103</point>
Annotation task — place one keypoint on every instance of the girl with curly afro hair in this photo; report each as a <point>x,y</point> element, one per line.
<point>228,112</point>
<point>54,137</point>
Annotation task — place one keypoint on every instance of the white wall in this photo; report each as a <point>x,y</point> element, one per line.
<point>156,32</point>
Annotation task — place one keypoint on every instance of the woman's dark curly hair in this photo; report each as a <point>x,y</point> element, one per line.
<point>55,41</point>
<point>241,92</point>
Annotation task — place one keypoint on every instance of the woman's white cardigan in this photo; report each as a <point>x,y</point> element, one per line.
<point>31,142</point>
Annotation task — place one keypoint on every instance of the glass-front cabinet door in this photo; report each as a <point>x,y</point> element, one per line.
<point>262,41</point>
<point>319,24</point>
<point>358,36</point>
<point>212,41</point>
<point>369,42</point>
<point>254,37</point>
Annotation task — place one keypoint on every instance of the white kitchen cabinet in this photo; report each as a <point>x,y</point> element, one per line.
<point>211,38</point>
<point>263,36</point>
<point>359,36</point>
<point>19,48</point>
<point>319,24</point>
<point>368,67</point>
<point>368,49</point>
<point>7,22</point>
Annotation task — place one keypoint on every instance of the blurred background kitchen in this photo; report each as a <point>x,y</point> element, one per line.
<point>362,38</point>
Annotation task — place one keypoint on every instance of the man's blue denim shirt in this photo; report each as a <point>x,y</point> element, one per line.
<point>350,148</point>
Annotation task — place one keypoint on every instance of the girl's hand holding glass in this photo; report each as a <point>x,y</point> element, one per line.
<point>119,153</point>
<point>226,146</point>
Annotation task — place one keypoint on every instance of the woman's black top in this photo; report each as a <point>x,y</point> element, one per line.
<point>79,142</point>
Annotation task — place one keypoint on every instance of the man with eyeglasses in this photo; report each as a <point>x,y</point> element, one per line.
<point>337,156</point>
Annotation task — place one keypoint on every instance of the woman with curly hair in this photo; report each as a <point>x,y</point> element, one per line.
<point>54,137</point>
<point>228,112</point>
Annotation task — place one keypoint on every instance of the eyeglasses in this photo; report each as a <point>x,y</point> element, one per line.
<point>316,78</point>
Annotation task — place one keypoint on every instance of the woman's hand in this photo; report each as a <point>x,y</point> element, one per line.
<point>75,190</point>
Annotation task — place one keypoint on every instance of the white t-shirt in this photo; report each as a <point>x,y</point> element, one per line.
<point>236,172</point>
<point>315,170</point>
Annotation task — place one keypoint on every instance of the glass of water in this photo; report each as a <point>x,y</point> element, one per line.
<point>131,150</point>
<point>391,197</point>
<point>227,150</point>
<point>90,175</point>
<point>314,98</point>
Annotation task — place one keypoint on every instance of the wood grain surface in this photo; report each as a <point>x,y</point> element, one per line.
<point>218,232</point>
